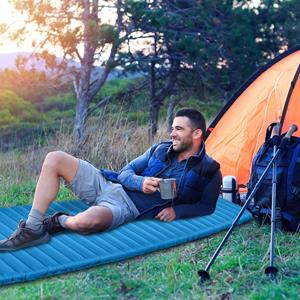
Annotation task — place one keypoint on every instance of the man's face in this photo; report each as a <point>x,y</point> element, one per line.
<point>183,135</point>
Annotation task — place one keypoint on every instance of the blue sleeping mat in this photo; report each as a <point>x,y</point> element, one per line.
<point>70,251</point>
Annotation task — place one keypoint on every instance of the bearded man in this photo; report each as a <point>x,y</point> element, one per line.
<point>116,198</point>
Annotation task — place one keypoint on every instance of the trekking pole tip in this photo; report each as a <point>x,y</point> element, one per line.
<point>271,272</point>
<point>204,275</point>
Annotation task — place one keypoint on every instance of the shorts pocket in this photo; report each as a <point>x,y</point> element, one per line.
<point>88,196</point>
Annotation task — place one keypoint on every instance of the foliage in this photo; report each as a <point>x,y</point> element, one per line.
<point>279,30</point>
<point>197,48</point>
<point>138,117</point>
<point>77,29</point>
<point>219,44</point>
<point>21,135</point>
<point>61,102</point>
<point>114,87</point>
<point>211,39</point>
<point>59,24</point>
<point>23,123</point>
<point>14,109</point>
<point>30,83</point>
<point>209,107</point>
<point>191,46</point>
<point>58,115</point>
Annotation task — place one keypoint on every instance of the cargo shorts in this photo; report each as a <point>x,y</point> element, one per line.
<point>93,188</point>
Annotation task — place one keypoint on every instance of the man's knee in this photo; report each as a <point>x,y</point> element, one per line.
<point>54,159</point>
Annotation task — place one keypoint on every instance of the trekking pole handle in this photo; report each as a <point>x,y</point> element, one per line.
<point>276,135</point>
<point>277,129</point>
<point>293,128</point>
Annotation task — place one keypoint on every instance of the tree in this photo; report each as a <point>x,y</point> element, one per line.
<point>148,21</point>
<point>31,83</point>
<point>14,109</point>
<point>279,29</point>
<point>78,30</point>
<point>189,46</point>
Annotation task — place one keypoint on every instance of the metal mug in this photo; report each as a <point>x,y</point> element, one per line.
<point>167,188</point>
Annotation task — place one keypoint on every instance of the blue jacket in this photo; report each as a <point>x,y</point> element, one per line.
<point>197,190</point>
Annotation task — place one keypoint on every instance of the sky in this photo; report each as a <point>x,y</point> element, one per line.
<point>8,15</point>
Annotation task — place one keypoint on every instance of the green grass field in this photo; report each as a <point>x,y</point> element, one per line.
<point>238,273</point>
<point>172,274</point>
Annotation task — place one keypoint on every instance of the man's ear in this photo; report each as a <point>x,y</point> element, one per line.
<point>198,133</point>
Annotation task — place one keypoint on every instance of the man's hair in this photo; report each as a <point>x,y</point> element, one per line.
<point>196,118</point>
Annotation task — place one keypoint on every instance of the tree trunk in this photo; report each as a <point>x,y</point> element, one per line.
<point>170,113</point>
<point>157,101</point>
<point>84,88</point>
<point>153,118</point>
<point>80,119</point>
<point>82,83</point>
<point>153,105</point>
<point>83,99</point>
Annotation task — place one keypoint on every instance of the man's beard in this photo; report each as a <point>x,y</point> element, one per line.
<point>181,146</point>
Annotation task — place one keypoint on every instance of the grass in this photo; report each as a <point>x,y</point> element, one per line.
<point>172,274</point>
<point>238,272</point>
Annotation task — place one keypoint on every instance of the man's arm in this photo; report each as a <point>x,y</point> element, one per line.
<point>130,176</point>
<point>206,205</point>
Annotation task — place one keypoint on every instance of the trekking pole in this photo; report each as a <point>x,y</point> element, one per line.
<point>204,274</point>
<point>271,271</point>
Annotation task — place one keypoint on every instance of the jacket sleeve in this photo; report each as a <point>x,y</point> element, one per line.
<point>130,176</point>
<point>206,205</point>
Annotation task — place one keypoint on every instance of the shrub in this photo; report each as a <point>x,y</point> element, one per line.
<point>60,102</point>
<point>6,117</point>
<point>14,109</point>
<point>114,87</point>
<point>209,107</point>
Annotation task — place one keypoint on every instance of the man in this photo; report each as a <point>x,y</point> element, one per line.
<point>117,198</point>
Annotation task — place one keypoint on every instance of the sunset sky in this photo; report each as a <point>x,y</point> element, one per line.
<point>9,15</point>
<point>6,16</point>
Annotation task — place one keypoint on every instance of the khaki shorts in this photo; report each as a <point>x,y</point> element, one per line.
<point>92,187</point>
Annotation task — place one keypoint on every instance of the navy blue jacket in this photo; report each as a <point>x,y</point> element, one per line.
<point>197,191</point>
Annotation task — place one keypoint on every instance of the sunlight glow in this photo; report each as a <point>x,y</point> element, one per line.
<point>8,16</point>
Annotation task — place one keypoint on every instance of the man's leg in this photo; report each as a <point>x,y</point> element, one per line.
<point>94,219</point>
<point>57,164</point>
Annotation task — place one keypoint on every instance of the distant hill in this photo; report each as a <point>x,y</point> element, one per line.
<point>7,61</point>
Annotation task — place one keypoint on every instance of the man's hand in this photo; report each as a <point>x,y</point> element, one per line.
<point>150,185</point>
<point>167,215</point>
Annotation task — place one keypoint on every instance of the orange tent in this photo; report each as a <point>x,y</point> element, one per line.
<point>272,94</point>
